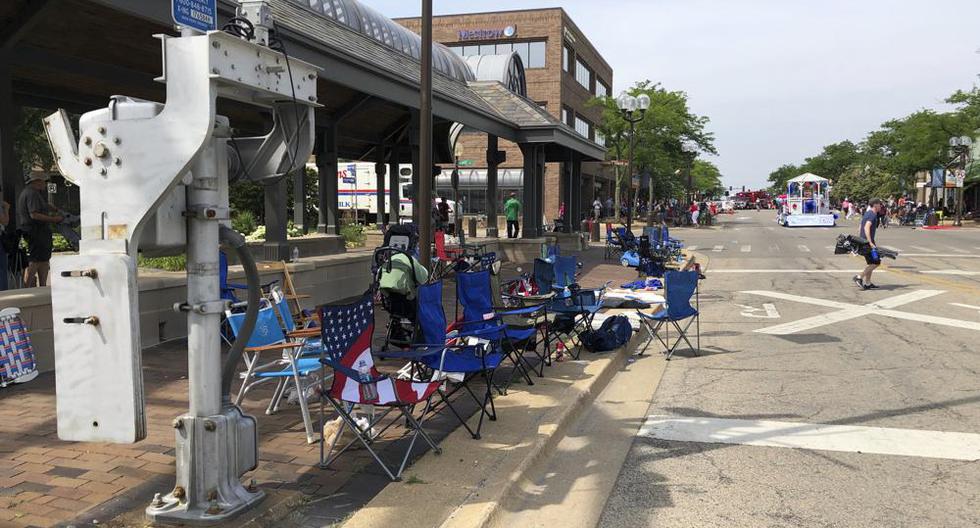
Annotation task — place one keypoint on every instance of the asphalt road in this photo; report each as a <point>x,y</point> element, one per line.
<point>903,358</point>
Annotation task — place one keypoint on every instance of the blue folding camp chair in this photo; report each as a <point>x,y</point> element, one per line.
<point>288,367</point>
<point>346,331</point>
<point>475,295</point>
<point>680,287</point>
<point>473,351</point>
<point>574,307</point>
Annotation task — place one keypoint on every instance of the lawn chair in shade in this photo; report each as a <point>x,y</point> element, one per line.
<point>287,368</point>
<point>475,295</point>
<point>680,287</point>
<point>346,332</point>
<point>473,351</point>
<point>16,355</point>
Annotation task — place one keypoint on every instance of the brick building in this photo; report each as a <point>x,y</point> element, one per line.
<point>563,71</point>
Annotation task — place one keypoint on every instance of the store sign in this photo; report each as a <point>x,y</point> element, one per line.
<point>487,34</point>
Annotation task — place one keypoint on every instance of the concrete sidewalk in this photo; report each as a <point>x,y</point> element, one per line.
<point>48,482</point>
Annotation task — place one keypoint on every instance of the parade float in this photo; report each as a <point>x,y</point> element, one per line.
<point>807,203</point>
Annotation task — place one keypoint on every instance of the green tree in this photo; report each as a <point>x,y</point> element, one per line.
<point>30,142</point>
<point>707,178</point>
<point>780,176</point>
<point>665,127</point>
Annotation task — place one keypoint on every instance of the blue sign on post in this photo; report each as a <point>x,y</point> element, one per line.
<point>201,15</point>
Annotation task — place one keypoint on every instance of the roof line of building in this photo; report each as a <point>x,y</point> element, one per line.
<point>472,13</point>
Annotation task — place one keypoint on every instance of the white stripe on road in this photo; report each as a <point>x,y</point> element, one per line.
<point>852,311</point>
<point>790,271</point>
<point>692,248</point>
<point>939,255</point>
<point>803,248</point>
<point>970,306</point>
<point>950,272</point>
<point>923,249</point>
<point>717,249</point>
<point>746,249</point>
<point>844,438</point>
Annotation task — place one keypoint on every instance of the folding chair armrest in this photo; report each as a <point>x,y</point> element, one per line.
<point>277,346</point>
<point>305,332</point>
<point>520,311</point>
<point>496,330</point>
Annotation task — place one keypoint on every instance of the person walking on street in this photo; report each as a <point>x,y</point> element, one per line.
<point>34,219</point>
<point>694,214</point>
<point>869,226</point>
<point>597,209</point>
<point>512,209</point>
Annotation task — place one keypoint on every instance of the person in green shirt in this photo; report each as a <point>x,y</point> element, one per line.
<point>512,208</point>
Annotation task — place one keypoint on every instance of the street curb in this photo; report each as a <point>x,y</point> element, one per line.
<point>570,413</point>
<point>485,491</point>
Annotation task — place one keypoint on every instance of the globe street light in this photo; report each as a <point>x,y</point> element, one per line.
<point>959,148</point>
<point>690,149</point>
<point>633,109</point>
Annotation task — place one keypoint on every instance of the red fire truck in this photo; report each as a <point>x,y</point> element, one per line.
<point>753,200</point>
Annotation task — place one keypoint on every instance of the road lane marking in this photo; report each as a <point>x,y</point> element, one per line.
<point>751,311</point>
<point>970,306</point>
<point>853,311</point>
<point>692,248</point>
<point>939,255</point>
<point>789,271</point>
<point>923,249</point>
<point>818,437</point>
<point>746,249</point>
<point>717,249</point>
<point>803,248</point>
<point>950,272</point>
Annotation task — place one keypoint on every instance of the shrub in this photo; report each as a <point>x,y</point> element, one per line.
<point>174,263</point>
<point>244,222</point>
<point>258,234</point>
<point>59,243</point>
<point>353,235</point>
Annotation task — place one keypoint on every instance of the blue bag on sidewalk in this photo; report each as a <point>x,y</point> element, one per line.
<point>614,332</point>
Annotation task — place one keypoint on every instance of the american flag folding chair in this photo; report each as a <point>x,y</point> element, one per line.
<point>16,355</point>
<point>346,332</point>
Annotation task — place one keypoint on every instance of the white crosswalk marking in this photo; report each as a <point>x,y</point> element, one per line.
<point>803,248</point>
<point>692,248</point>
<point>846,438</point>
<point>746,249</point>
<point>717,249</point>
<point>923,249</point>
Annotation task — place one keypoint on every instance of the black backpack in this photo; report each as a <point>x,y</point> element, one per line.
<point>614,332</point>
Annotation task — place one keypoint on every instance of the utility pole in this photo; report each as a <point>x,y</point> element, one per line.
<point>423,198</point>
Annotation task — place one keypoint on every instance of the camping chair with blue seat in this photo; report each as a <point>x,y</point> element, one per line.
<point>475,294</point>
<point>574,307</point>
<point>346,332</point>
<point>679,287</point>
<point>474,350</point>
<point>289,368</point>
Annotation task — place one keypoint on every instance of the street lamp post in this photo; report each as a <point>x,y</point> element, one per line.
<point>633,109</point>
<point>690,149</point>
<point>960,149</point>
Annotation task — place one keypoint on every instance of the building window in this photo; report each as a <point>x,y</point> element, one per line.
<point>532,53</point>
<point>536,54</point>
<point>600,139</point>
<point>567,116</point>
<point>601,89</point>
<point>566,59</point>
<point>583,74</point>
<point>583,127</point>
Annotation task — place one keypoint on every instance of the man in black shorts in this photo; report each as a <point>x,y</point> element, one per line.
<point>869,226</point>
<point>34,219</point>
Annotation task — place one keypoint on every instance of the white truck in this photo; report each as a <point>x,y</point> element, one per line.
<point>357,191</point>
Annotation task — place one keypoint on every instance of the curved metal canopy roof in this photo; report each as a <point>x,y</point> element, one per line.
<point>369,22</point>
<point>507,68</point>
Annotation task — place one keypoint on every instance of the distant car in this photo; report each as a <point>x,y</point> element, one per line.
<point>740,204</point>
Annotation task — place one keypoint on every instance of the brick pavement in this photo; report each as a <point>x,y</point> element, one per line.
<point>45,481</point>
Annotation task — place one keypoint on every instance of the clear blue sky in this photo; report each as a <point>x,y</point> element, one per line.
<point>778,78</point>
